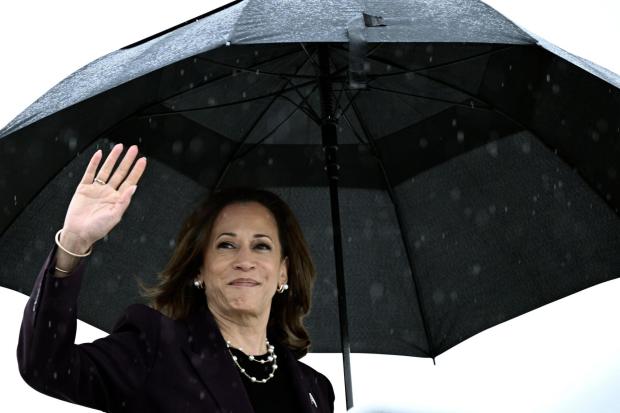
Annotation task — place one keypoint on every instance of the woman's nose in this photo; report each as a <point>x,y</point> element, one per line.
<point>244,260</point>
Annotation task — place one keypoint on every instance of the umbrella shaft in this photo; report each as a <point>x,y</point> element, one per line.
<point>329,135</point>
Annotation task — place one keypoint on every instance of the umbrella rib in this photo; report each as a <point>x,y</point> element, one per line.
<point>430,67</point>
<point>429,98</point>
<point>399,219</point>
<point>207,82</point>
<point>233,156</point>
<point>297,107</point>
<point>262,72</point>
<point>222,105</point>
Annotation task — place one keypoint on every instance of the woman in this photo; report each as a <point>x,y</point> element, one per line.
<point>224,331</point>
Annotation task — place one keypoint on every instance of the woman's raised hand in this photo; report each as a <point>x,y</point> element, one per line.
<point>101,198</point>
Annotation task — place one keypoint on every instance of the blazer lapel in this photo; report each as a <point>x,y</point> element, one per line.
<point>206,350</point>
<point>301,384</point>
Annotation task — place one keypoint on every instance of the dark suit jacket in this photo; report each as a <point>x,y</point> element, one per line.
<point>149,363</point>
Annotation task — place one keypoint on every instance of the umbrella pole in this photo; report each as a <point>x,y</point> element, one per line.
<point>329,135</point>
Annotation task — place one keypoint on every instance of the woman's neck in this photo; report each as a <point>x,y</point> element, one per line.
<point>249,335</point>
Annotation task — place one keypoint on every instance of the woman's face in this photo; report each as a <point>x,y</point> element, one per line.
<point>241,266</point>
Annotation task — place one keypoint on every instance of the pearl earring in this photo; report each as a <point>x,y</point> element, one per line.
<point>199,284</point>
<point>282,288</point>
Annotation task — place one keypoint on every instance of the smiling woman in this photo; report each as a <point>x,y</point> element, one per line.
<point>224,331</point>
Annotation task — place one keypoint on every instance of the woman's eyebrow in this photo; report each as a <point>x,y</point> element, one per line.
<point>232,234</point>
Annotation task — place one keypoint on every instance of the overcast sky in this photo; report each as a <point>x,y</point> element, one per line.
<point>564,357</point>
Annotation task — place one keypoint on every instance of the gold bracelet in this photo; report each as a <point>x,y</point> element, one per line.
<point>73,254</point>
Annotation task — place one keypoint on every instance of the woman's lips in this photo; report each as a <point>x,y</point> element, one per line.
<point>243,282</point>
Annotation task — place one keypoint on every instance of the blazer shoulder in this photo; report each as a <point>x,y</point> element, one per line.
<point>142,318</point>
<point>319,380</point>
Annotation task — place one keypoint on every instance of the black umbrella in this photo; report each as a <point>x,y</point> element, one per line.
<point>449,170</point>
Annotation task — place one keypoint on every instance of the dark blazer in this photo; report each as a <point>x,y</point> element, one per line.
<point>149,363</point>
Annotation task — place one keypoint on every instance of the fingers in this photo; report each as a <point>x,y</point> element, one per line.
<point>108,165</point>
<point>91,169</point>
<point>122,170</point>
<point>134,175</point>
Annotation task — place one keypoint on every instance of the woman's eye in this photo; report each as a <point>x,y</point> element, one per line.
<point>264,245</point>
<point>224,244</point>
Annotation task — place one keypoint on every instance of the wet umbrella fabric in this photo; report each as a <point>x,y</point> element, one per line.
<point>477,171</point>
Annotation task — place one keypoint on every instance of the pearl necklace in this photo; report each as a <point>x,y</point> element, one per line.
<point>271,358</point>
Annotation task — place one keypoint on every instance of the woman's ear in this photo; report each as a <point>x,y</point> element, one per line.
<point>283,271</point>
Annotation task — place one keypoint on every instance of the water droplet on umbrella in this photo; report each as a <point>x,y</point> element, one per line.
<point>492,149</point>
<point>455,194</point>
<point>72,143</point>
<point>475,270</point>
<point>460,136</point>
<point>548,78</point>
<point>376,291</point>
<point>555,88</point>
<point>177,147</point>
<point>438,297</point>
<point>525,147</point>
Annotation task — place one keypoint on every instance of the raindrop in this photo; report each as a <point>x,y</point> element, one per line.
<point>502,84</point>
<point>475,270</point>
<point>15,200</point>
<point>454,122</point>
<point>430,59</point>
<point>438,297</point>
<point>509,67</point>
<point>243,94</point>
<point>191,85</point>
<point>211,101</point>
<point>72,143</point>
<point>55,375</point>
<point>492,149</point>
<point>526,147</point>
<point>177,147</point>
<point>270,161</point>
<point>142,239</point>
<point>423,143</point>
<point>171,243</point>
<point>376,291</point>
<point>195,60</point>
<point>460,136</point>
<point>548,78</point>
<point>181,72</point>
<point>455,194</point>
<point>555,88</point>
<point>595,136</point>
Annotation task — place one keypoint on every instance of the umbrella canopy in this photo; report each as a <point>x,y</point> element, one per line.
<point>477,170</point>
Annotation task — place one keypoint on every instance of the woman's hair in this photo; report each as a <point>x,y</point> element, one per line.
<point>176,296</point>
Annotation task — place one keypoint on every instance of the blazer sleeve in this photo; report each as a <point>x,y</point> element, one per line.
<point>103,374</point>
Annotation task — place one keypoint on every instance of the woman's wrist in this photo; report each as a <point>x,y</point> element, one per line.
<point>70,245</point>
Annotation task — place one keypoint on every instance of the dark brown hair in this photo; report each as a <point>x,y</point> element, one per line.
<point>176,297</point>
